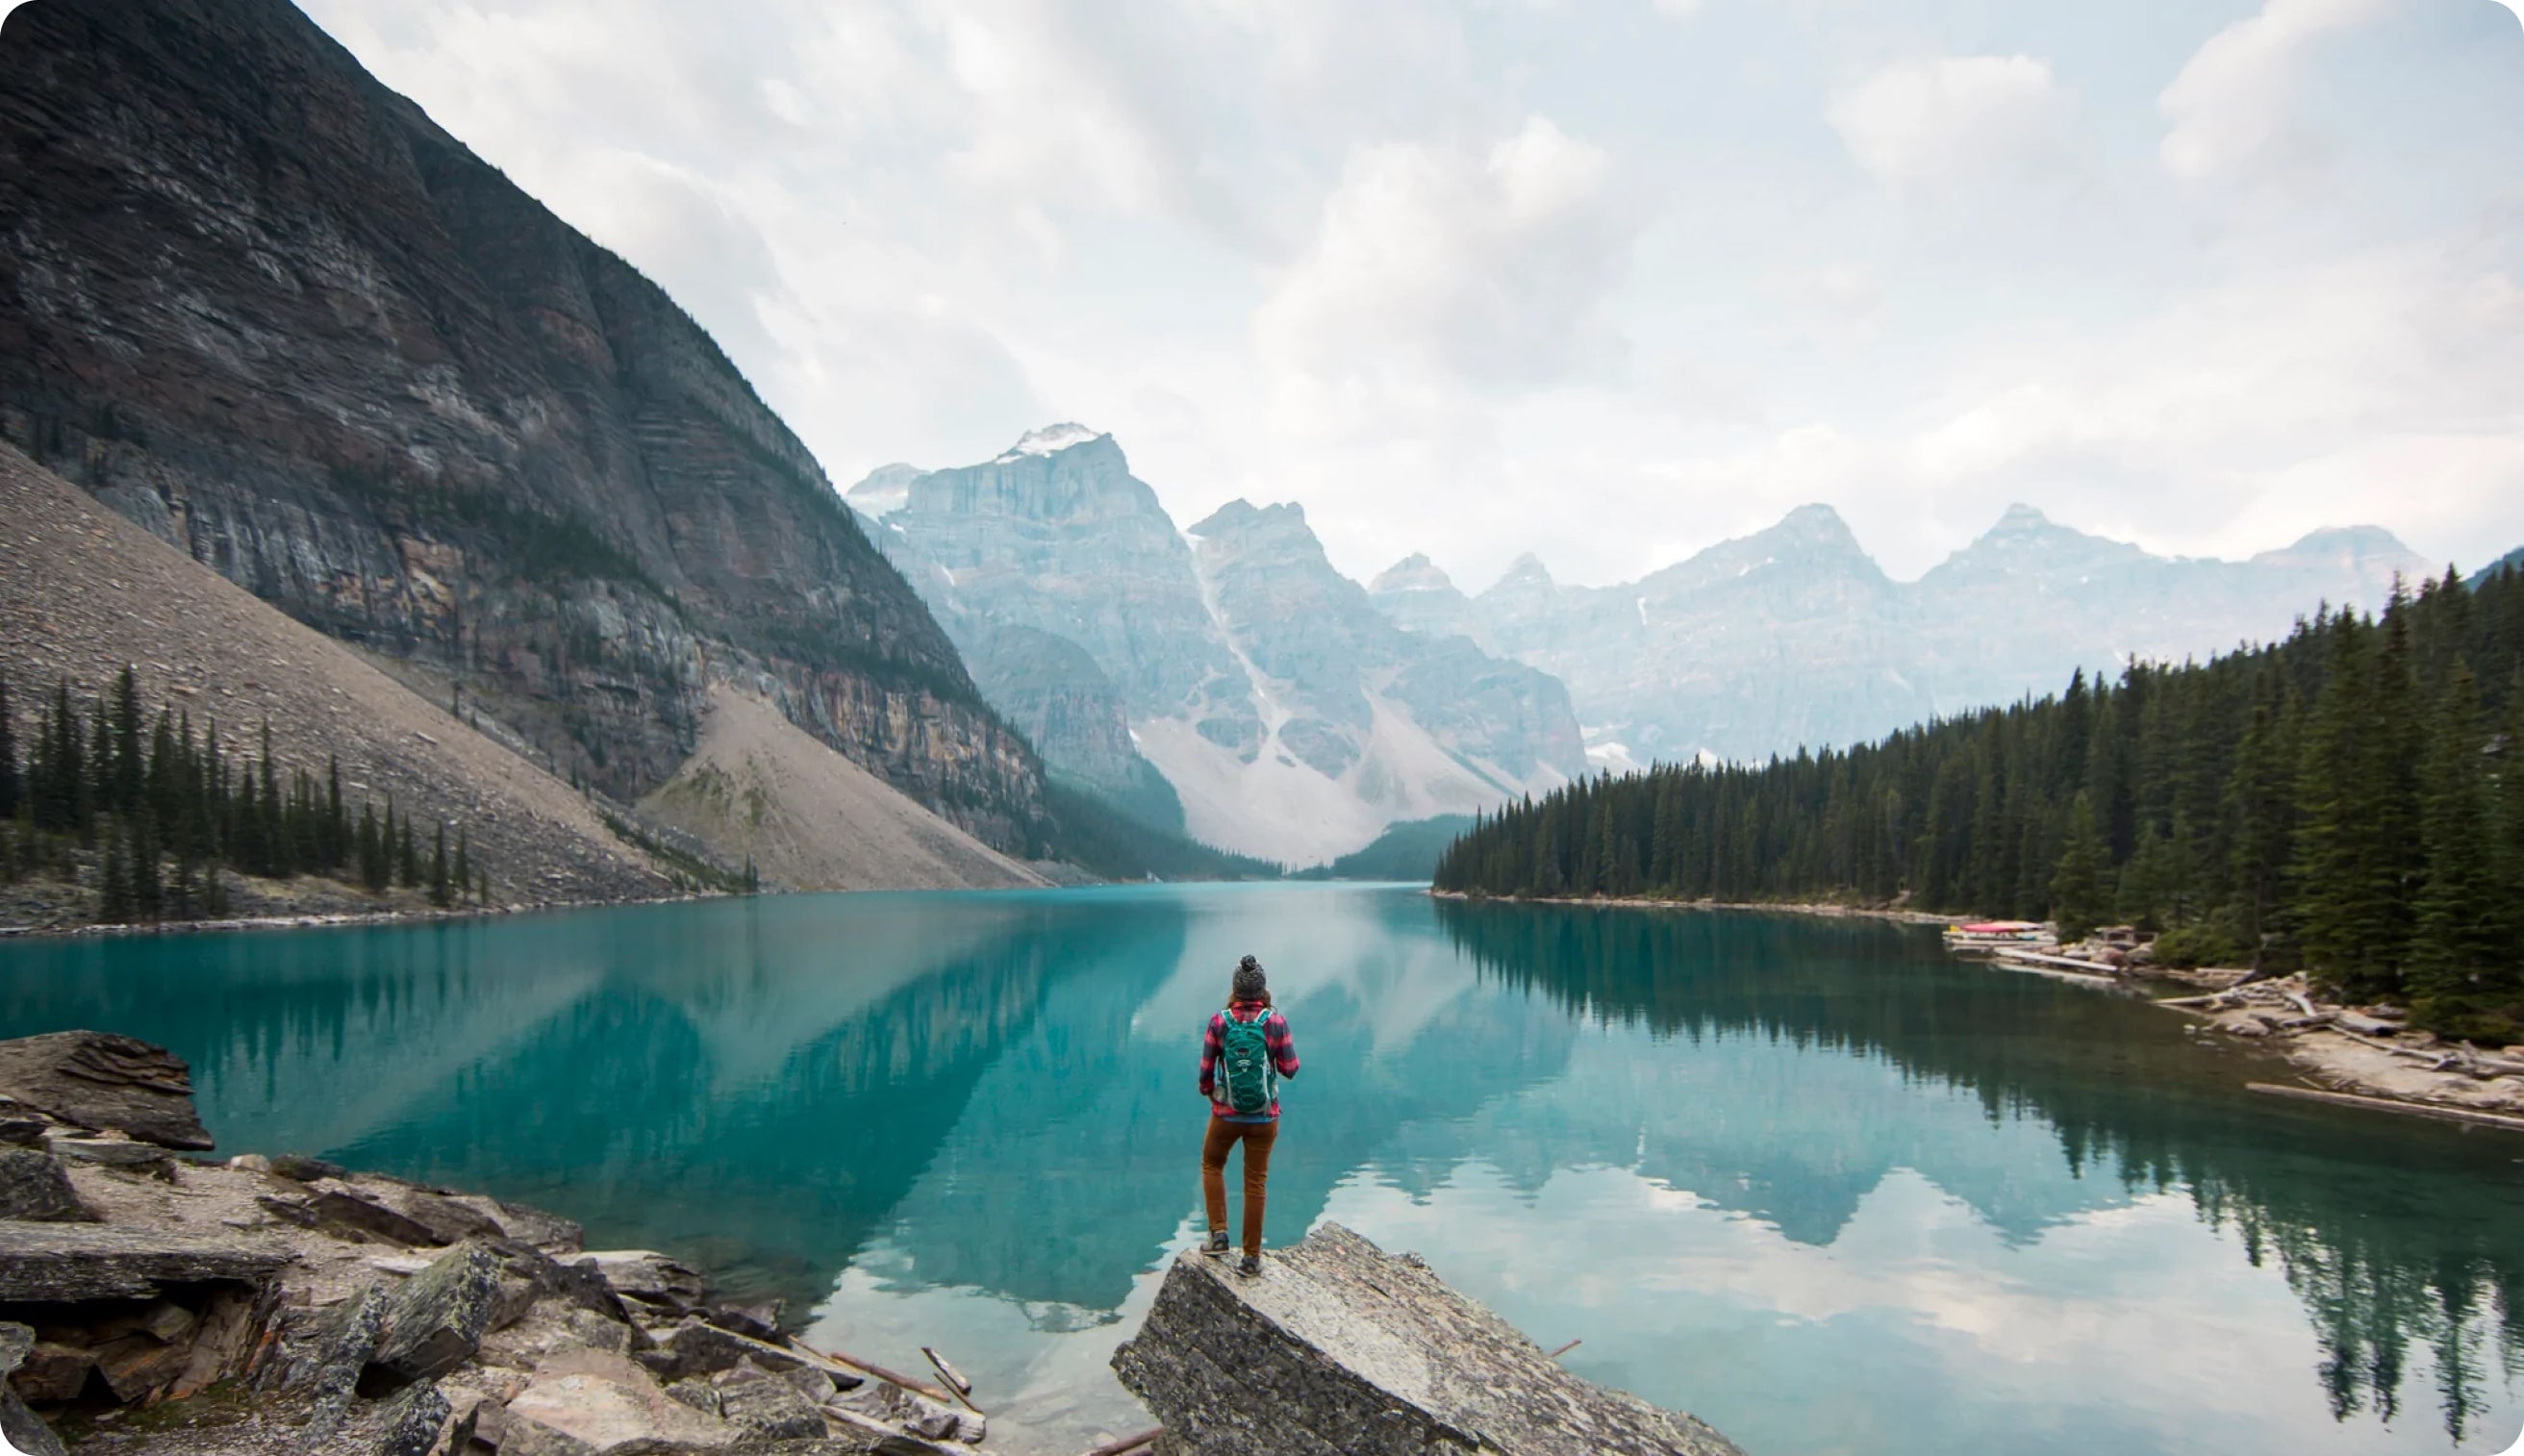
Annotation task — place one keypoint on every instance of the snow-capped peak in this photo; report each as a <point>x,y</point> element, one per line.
<point>1051,439</point>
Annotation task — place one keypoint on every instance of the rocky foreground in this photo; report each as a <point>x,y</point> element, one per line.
<point>1341,1350</point>
<point>158,1303</point>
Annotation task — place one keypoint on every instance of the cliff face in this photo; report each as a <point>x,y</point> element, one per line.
<point>264,307</point>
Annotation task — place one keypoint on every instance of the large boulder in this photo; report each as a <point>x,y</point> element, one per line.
<point>588,1403</point>
<point>99,1081</point>
<point>436,1320</point>
<point>1339,1349</point>
<point>37,1187</point>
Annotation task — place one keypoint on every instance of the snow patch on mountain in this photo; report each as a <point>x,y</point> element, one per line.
<point>1051,439</point>
<point>1282,809</point>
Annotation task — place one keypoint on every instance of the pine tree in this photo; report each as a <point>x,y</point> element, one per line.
<point>337,826</point>
<point>2458,958</point>
<point>371,851</point>
<point>127,767</point>
<point>2510,818</point>
<point>114,895</point>
<point>148,890</point>
<point>96,795</point>
<point>482,886</point>
<point>2077,884</point>
<point>463,873</point>
<point>408,861</point>
<point>438,891</point>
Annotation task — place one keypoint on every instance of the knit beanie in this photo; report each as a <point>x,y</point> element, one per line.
<point>1249,983</point>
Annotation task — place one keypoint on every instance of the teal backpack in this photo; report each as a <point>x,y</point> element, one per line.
<point>1248,1078</point>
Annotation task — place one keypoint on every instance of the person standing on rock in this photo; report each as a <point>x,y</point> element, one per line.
<point>1244,1055</point>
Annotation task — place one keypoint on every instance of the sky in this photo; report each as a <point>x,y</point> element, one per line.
<point>1604,280</point>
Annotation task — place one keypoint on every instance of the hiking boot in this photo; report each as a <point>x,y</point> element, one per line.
<point>1216,1248</point>
<point>1250,1267</point>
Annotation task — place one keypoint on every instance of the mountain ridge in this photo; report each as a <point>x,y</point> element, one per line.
<point>1795,636</point>
<point>260,304</point>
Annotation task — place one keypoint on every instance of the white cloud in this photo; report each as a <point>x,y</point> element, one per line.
<point>1432,264</point>
<point>1924,126</point>
<point>2234,104</point>
<point>1461,279</point>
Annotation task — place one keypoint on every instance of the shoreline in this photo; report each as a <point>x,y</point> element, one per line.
<point>1820,909</point>
<point>296,1304</point>
<point>322,920</point>
<point>2348,1055</point>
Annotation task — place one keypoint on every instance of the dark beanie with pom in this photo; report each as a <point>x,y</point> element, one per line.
<point>1249,983</point>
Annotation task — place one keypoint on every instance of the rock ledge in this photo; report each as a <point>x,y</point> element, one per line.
<point>1341,1349</point>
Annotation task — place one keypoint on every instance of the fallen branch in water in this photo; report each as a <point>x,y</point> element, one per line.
<point>904,1381</point>
<point>1129,1443</point>
<point>956,1382</point>
<point>1565,1350</point>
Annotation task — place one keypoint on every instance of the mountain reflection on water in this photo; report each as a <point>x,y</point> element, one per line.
<point>1805,1178</point>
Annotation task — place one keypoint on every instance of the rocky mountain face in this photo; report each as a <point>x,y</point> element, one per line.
<point>1228,671</point>
<point>1794,637</point>
<point>261,306</point>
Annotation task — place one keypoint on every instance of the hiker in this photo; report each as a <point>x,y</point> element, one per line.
<point>1243,1055</point>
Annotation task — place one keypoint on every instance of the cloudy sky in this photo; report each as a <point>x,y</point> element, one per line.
<point>1603,279</point>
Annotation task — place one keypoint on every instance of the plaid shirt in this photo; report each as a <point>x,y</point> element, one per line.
<point>1275,1036</point>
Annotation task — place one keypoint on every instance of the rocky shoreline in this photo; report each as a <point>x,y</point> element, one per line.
<point>2362,1054</point>
<point>156,1301</point>
<point>1825,909</point>
<point>2369,1053</point>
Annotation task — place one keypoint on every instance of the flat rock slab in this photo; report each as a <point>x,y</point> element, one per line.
<point>1338,1349</point>
<point>100,1081</point>
<point>44,1262</point>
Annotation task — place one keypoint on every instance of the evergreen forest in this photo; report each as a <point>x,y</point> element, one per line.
<point>149,812</point>
<point>2348,802</point>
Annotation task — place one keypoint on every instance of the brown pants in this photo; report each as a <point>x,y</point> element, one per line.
<point>1257,1138</point>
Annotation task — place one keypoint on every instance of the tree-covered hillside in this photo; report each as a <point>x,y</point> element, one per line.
<point>2349,800</point>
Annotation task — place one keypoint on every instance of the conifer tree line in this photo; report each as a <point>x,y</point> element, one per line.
<point>2349,800</point>
<point>160,810</point>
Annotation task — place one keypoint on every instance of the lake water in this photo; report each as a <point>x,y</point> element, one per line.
<point>1806,1179</point>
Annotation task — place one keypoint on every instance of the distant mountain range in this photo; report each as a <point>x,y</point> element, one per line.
<point>1794,636</point>
<point>1225,679</point>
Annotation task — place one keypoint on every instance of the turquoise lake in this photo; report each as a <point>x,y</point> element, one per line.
<point>1808,1178</point>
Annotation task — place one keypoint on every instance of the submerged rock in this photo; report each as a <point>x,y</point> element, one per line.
<point>1339,1349</point>
<point>97,1081</point>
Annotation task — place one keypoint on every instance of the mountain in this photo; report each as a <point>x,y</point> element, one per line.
<point>1794,635</point>
<point>2513,560</point>
<point>265,307</point>
<point>83,593</point>
<point>1227,674</point>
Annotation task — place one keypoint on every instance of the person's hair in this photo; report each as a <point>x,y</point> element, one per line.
<point>1263,1000</point>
